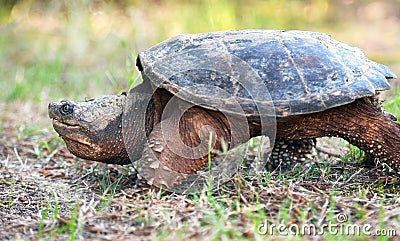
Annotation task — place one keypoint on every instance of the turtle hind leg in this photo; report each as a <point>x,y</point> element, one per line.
<point>286,153</point>
<point>361,123</point>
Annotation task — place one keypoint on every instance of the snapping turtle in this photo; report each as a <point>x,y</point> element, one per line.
<point>235,85</point>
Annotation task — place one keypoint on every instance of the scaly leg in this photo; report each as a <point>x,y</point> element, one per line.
<point>286,153</point>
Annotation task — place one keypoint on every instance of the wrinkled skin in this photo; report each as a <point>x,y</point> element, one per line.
<point>92,129</point>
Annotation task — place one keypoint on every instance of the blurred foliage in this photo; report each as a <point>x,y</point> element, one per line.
<point>6,7</point>
<point>74,49</point>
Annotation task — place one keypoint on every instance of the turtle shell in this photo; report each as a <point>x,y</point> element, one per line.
<point>263,72</point>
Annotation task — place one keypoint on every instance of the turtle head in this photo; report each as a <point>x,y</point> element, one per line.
<point>92,129</point>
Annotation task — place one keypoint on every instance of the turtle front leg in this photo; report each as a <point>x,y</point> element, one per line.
<point>178,147</point>
<point>362,123</point>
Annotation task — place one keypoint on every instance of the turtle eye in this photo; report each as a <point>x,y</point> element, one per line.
<point>66,109</point>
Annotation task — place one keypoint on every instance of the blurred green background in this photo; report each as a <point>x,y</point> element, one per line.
<point>57,49</point>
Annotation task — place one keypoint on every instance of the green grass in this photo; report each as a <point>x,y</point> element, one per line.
<point>392,105</point>
<point>45,214</point>
<point>9,198</point>
<point>49,214</point>
<point>107,187</point>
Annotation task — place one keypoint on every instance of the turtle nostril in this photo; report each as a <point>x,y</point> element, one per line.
<point>50,109</point>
